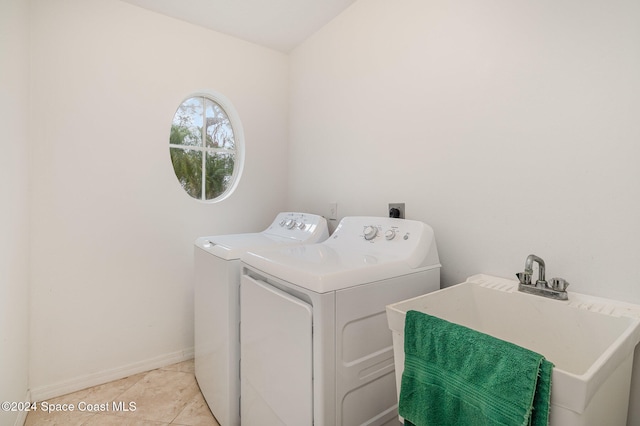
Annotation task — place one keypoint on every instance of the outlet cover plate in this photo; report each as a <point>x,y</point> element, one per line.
<point>399,206</point>
<point>333,211</point>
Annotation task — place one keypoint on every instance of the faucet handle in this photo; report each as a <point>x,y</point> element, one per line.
<point>524,278</point>
<point>559,284</point>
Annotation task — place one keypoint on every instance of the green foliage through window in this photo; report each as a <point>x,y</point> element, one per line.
<point>203,148</point>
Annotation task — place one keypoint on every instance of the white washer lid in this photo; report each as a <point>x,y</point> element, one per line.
<point>286,228</point>
<point>231,247</point>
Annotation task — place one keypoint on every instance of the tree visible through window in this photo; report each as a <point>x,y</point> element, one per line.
<point>203,148</point>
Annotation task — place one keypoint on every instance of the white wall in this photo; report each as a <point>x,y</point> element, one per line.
<point>14,214</point>
<point>112,230</point>
<point>510,127</point>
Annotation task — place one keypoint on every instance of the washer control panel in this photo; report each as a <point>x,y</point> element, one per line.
<point>297,225</point>
<point>300,223</point>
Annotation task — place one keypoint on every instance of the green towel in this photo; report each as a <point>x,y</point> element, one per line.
<point>457,376</point>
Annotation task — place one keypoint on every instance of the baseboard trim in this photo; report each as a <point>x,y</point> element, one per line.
<point>22,415</point>
<point>82,382</point>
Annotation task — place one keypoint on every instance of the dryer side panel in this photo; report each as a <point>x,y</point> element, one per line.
<point>366,387</point>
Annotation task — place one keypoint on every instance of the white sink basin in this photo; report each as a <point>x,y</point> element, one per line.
<point>590,340</point>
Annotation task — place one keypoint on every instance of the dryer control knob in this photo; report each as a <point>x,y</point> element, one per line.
<point>370,232</point>
<point>302,225</point>
<point>390,234</point>
<point>290,223</point>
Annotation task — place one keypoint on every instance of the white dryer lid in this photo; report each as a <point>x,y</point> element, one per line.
<point>322,268</point>
<point>361,250</point>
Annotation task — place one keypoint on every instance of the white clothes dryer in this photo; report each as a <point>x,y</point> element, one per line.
<point>216,304</point>
<point>315,346</point>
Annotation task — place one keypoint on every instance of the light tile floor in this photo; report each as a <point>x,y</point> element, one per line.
<point>166,396</point>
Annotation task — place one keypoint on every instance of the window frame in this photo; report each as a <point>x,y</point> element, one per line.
<point>238,151</point>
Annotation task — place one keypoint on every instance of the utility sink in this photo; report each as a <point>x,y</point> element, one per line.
<point>590,340</point>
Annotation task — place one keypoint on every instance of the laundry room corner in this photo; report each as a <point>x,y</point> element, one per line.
<point>112,230</point>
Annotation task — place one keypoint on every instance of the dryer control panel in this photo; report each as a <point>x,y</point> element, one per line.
<point>399,238</point>
<point>377,229</point>
<point>372,231</point>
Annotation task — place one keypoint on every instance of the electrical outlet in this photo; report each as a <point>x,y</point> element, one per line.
<point>399,207</point>
<point>333,211</point>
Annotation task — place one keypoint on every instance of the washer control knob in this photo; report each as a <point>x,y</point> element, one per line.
<point>282,222</point>
<point>301,225</point>
<point>370,232</point>
<point>290,224</point>
<point>390,234</point>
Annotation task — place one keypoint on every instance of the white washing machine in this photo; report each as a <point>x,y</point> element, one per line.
<point>315,346</point>
<point>216,304</point>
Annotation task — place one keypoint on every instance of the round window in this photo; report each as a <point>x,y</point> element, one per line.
<point>205,146</point>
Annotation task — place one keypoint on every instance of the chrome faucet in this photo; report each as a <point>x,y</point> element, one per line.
<point>557,289</point>
<point>528,269</point>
